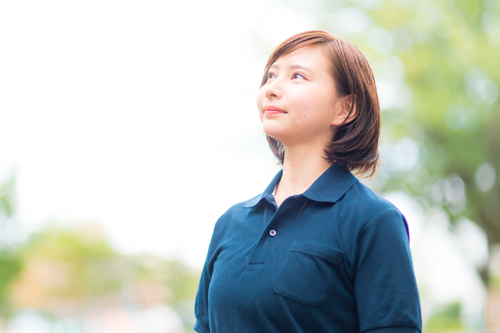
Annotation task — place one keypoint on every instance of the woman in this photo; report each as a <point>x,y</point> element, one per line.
<point>317,251</point>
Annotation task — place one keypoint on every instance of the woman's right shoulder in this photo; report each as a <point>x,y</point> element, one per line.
<point>237,213</point>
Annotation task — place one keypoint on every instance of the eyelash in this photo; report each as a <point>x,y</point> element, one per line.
<point>294,74</point>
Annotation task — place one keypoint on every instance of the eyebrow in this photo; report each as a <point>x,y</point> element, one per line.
<point>292,67</point>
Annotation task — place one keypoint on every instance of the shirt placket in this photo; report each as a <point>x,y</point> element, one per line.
<point>274,219</point>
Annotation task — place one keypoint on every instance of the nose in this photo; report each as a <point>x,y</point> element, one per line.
<point>274,89</point>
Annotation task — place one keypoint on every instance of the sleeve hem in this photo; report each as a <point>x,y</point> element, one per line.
<point>393,329</point>
<point>201,328</point>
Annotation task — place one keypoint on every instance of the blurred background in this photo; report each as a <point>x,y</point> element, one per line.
<point>128,127</point>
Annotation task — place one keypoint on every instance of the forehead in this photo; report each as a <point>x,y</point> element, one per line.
<point>311,56</point>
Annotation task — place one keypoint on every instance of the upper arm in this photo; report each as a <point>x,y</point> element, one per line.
<point>201,309</point>
<point>201,303</point>
<point>385,287</point>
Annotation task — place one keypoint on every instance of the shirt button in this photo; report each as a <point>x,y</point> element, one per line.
<point>272,232</point>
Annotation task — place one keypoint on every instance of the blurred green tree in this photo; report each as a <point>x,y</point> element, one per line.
<point>10,254</point>
<point>10,263</point>
<point>451,58</point>
<point>66,267</point>
<point>447,319</point>
<point>73,269</point>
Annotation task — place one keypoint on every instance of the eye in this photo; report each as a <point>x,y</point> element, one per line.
<point>270,76</point>
<point>298,75</point>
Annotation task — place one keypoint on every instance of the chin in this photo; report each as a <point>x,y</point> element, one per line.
<point>273,131</point>
<point>284,139</point>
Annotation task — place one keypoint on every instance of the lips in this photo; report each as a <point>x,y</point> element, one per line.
<point>273,110</point>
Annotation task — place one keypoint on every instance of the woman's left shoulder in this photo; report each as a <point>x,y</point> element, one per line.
<point>363,205</point>
<point>361,195</point>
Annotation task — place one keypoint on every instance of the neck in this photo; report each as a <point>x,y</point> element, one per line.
<point>301,167</point>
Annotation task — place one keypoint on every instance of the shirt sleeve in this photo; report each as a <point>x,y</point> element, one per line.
<point>385,287</point>
<point>201,303</point>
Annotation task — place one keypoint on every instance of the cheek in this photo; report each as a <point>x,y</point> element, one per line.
<point>313,107</point>
<point>304,105</point>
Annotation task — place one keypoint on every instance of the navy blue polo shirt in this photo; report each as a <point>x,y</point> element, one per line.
<point>335,258</point>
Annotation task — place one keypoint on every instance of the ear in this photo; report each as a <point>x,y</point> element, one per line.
<point>347,110</point>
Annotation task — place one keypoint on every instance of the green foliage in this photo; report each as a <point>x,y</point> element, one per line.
<point>83,257</point>
<point>11,260</point>
<point>74,267</point>
<point>84,271</point>
<point>446,320</point>
<point>7,206</point>
<point>179,281</point>
<point>10,266</point>
<point>453,73</point>
<point>183,281</point>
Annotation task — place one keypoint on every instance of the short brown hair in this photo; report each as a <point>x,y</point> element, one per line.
<point>355,143</point>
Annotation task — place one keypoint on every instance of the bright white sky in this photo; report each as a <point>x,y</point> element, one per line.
<point>141,115</point>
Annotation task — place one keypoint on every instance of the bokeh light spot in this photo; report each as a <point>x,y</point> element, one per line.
<point>454,117</point>
<point>485,177</point>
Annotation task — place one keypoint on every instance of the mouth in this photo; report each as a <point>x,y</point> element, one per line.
<point>268,110</point>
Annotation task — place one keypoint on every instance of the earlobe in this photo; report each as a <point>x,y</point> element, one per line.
<point>347,111</point>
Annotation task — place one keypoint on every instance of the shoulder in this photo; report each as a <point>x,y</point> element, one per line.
<point>364,198</point>
<point>363,208</point>
<point>238,209</point>
<point>237,213</point>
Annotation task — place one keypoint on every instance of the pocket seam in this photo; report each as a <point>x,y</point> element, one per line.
<point>281,290</point>
<point>320,255</point>
<point>298,299</point>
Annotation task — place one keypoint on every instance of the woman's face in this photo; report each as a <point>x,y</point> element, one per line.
<point>298,103</point>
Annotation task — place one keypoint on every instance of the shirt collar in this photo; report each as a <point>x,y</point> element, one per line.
<point>267,192</point>
<point>329,187</point>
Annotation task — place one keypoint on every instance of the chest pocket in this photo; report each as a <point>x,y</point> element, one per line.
<point>308,273</point>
